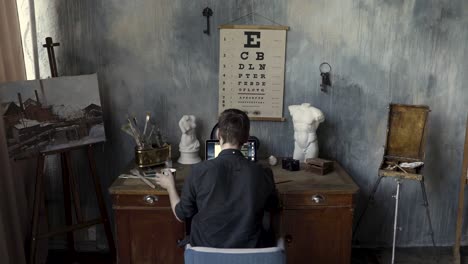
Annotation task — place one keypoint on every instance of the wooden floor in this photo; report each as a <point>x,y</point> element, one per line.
<point>62,257</point>
<point>427,255</point>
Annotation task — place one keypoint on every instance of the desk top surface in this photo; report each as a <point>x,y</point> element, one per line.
<point>301,182</point>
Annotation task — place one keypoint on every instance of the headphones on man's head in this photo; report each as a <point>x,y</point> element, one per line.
<point>214,132</point>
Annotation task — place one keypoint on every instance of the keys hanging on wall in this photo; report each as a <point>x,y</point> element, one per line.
<point>325,70</point>
<point>207,12</point>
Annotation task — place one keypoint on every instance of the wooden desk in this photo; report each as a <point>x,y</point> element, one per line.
<point>316,218</point>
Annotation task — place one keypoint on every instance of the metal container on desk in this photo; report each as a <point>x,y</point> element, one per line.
<point>152,156</point>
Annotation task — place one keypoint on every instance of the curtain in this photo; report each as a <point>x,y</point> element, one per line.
<point>13,203</point>
<point>11,54</point>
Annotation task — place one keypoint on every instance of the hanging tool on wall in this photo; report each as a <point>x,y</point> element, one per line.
<point>325,70</point>
<point>207,12</point>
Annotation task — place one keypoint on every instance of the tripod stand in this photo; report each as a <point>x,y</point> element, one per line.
<point>399,181</point>
<point>405,144</point>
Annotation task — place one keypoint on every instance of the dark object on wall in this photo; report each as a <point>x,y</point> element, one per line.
<point>290,164</point>
<point>50,52</point>
<point>207,12</point>
<point>461,200</point>
<point>406,136</point>
<point>319,166</point>
<point>325,70</point>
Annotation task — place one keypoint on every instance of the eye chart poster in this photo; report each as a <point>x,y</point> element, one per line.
<point>251,70</point>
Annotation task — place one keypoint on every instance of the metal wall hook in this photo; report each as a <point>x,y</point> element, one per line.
<point>207,12</point>
<point>325,70</point>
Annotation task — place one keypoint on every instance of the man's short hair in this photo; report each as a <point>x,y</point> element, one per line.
<point>234,126</point>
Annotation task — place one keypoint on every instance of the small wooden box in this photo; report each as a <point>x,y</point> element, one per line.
<point>319,166</point>
<point>406,137</point>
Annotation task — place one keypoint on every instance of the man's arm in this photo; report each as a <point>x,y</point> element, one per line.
<point>185,206</point>
<point>166,181</point>
<point>175,200</point>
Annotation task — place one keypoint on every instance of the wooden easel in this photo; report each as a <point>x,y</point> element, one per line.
<point>69,189</point>
<point>403,120</point>
<point>461,198</point>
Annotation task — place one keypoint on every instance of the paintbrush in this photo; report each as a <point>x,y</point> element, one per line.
<point>137,173</point>
<point>148,138</point>
<point>137,130</point>
<point>126,128</point>
<point>396,164</point>
<point>135,134</point>
<point>159,140</point>
<point>280,182</point>
<point>135,122</point>
<point>146,125</point>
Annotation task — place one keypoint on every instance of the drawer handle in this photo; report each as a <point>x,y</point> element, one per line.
<point>150,199</point>
<point>318,198</point>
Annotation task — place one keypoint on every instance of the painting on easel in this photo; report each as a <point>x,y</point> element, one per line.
<point>51,114</point>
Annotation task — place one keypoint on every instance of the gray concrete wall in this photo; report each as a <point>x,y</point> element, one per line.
<point>153,56</point>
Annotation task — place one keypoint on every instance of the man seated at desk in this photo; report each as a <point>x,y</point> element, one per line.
<point>225,197</point>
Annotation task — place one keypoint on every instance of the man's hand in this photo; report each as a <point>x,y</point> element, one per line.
<point>165,180</point>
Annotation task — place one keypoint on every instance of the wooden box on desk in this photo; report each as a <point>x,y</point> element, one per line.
<point>319,166</point>
<point>406,137</point>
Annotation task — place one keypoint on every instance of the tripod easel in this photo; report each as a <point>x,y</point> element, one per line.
<point>69,190</point>
<point>405,143</point>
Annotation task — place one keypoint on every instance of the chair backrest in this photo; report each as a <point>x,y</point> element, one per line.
<point>206,255</point>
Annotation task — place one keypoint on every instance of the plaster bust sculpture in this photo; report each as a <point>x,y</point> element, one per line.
<point>189,144</point>
<point>306,120</point>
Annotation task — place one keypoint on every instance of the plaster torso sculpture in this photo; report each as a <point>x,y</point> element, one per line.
<point>306,120</point>
<point>189,144</point>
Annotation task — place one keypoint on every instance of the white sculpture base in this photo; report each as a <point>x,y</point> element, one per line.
<point>189,157</point>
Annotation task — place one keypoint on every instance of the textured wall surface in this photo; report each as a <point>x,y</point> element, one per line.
<point>153,56</point>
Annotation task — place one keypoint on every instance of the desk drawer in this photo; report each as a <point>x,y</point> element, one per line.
<point>140,201</point>
<point>317,199</point>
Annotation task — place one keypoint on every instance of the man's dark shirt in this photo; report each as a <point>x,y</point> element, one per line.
<point>226,197</point>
